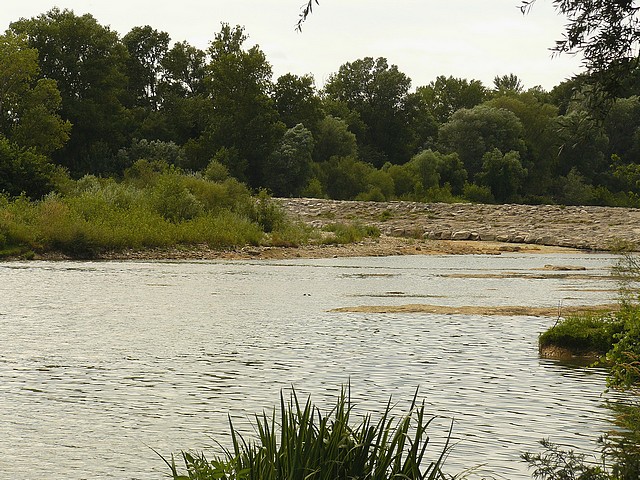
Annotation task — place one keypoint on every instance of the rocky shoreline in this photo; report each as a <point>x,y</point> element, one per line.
<point>410,228</point>
<point>584,228</point>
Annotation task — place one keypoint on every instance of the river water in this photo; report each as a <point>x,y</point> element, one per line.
<point>101,362</point>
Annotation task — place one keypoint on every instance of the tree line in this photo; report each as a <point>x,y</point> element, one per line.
<point>77,98</point>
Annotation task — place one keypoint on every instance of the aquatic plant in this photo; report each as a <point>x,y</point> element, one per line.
<point>305,444</point>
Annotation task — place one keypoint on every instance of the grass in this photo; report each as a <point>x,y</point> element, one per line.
<point>584,334</point>
<point>163,209</point>
<point>304,443</point>
<point>341,233</point>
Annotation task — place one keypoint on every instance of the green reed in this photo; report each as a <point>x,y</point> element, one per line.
<point>302,443</point>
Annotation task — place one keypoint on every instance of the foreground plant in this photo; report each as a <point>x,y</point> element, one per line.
<point>305,444</point>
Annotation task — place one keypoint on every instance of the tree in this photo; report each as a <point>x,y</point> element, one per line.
<point>622,127</point>
<point>506,84</point>
<point>183,103</point>
<point>582,145</point>
<point>183,68</point>
<point>147,48</point>
<point>606,34</point>
<point>379,94</point>
<point>344,178</point>
<point>503,174</point>
<point>288,169</point>
<point>473,132</point>
<point>28,107</point>
<point>25,171</point>
<point>87,60</point>
<point>241,115</point>
<point>446,95</point>
<point>538,120</point>
<point>333,138</point>
<point>297,101</point>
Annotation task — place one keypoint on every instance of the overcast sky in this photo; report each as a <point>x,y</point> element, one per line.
<point>472,39</point>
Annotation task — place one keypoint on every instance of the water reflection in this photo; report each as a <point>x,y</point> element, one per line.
<point>102,360</point>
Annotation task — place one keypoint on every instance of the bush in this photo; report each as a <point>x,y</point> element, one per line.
<point>478,194</point>
<point>171,199</point>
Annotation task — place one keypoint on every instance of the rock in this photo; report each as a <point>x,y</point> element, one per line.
<point>461,235</point>
<point>564,268</point>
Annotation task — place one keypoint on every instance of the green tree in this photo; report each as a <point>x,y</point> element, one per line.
<point>582,145</point>
<point>288,169</point>
<point>435,169</point>
<point>87,60</point>
<point>507,84</point>
<point>344,178</point>
<point>183,103</point>
<point>297,101</point>
<point>446,95</point>
<point>147,48</point>
<point>606,34</point>
<point>473,132</point>
<point>333,138</point>
<point>503,174</point>
<point>25,171</point>
<point>379,94</point>
<point>538,120</point>
<point>183,68</point>
<point>28,107</point>
<point>622,127</point>
<point>242,115</point>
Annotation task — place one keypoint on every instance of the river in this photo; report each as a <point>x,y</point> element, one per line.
<point>101,362</point>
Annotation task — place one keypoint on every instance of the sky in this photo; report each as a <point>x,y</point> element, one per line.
<point>472,39</point>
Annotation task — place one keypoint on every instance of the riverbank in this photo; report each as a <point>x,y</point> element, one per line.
<point>584,228</point>
<point>410,228</point>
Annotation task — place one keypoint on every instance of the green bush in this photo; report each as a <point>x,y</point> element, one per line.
<point>171,198</point>
<point>477,194</point>
<point>223,230</point>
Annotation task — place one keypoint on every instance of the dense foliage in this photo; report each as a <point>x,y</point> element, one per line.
<point>77,97</point>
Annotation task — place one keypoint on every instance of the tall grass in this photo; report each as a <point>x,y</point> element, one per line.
<point>150,209</point>
<point>302,443</point>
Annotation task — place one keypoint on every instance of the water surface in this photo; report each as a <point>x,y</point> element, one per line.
<point>102,360</point>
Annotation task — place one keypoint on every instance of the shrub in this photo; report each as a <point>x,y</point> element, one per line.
<point>478,194</point>
<point>173,200</point>
<point>224,230</point>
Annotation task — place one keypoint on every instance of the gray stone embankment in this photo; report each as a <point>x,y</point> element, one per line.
<point>587,228</point>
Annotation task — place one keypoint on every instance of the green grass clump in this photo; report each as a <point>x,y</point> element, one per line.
<point>303,443</point>
<point>584,334</point>
<point>349,233</point>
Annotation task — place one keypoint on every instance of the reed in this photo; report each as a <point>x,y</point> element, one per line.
<point>302,443</point>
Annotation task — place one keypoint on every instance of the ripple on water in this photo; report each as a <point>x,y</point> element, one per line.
<point>103,360</point>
